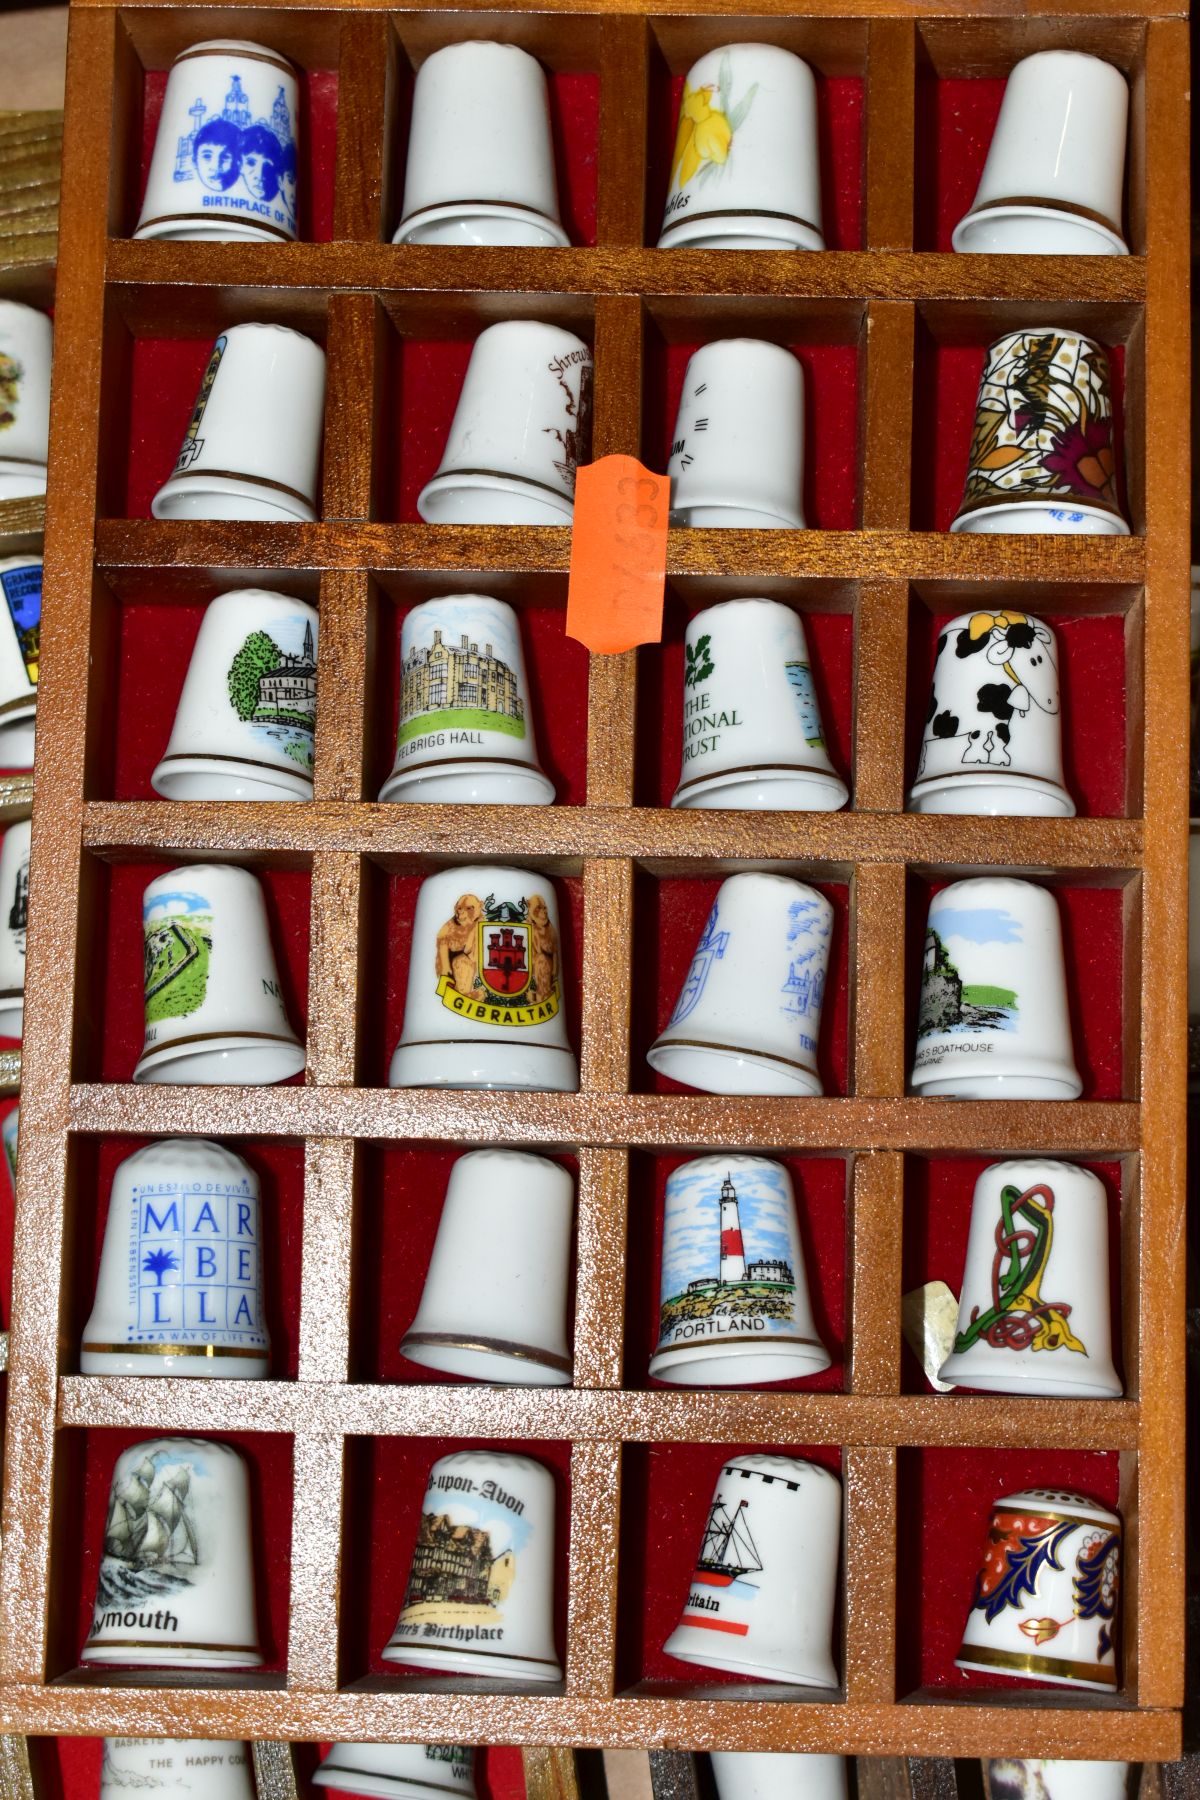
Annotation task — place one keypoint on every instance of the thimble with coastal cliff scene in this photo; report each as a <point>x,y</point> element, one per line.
<point>1046,1596</point>
<point>1034,1311</point>
<point>764,1584</point>
<point>484,1006</point>
<point>176,1582</point>
<point>1042,454</point>
<point>399,1771</point>
<point>992,740</point>
<point>735,1306</point>
<point>480,1595</point>
<point>176,1769</point>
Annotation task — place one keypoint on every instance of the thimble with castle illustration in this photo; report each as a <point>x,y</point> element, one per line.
<point>484,1005</point>
<point>735,1307</point>
<point>176,1769</point>
<point>176,1583</point>
<point>480,1595</point>
<point>180,1288</point>
<point>1035,1310</point>
<point>992,739</point>
<point>224,163</point>
<point>399,1771</point>
<point>1046,1596</point>
<point>1042,454</point>
<point>764,1584</point>
<point>214,1003</point>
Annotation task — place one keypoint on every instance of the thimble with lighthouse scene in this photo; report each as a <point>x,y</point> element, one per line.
<point>735,1306</point>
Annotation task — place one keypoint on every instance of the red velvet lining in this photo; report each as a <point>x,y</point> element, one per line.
<point>819,1184</point>
<point>955,119</point>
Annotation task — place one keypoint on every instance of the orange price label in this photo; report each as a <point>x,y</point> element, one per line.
<point>618,555</point>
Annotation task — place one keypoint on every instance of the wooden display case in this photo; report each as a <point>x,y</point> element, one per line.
<point>892,330</point>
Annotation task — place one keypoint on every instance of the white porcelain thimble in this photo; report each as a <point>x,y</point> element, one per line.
<point>1037,1778</point>
<point>994,1022</point>
<point>737,458</point>
<point>751,723</point>
<point>765,1581</point>
<point>465,732</point>
<point>14,912</point>
<point>1042,456</point>
<point>480,1595</point>
<point>176,1582</point>
<point>26,353</point>
<point>186,1768</point>
<point>253,444</point>
<point>1045,1601</point>
<point>214,1006</point>
<point>9,1132</point>
<point>1034,1313</point>
<point>993,732</point>
<point>244,724</point>
<point>399,1771</point>
<point>20,640</point>
<point>224,163</point>
<point>485,985</point>
<point>735,1309</point>
<point>480,164</point>
<point>746,172</point>
<point>748,1016</point>
<point>494,1305</point>
<point>179,1290</point>
<point>778,1775</point>
<point>521,428</point>
<point>1055,169</point>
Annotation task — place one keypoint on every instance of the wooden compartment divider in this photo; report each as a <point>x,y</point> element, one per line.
<point>358,292</point>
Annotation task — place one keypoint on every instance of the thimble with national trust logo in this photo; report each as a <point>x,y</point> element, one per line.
<point>1045,1601</point>
<point>484,1007</point>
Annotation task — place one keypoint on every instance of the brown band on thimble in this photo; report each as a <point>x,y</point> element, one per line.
<point>211,1037</point>
<point>501,1347</point>
<point>746,212</point>
<point>1044,205</point>
<point>224,218</point>
<point>250,1651</point>
<point>754,769</point>
<point>1065,499</point>
<point>29,462</point>
<point>275,58</point>
<point>788,1062</point>
<point>29,700</point>
<point>442,205</point>
<point>441,762</point>
<point>235,475</point>
<point>504,475</point>
<point>548,1662</point>
<point>248,762</point>
<point>756,1343</point>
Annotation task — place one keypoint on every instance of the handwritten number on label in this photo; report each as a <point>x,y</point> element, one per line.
<point>618,556</point>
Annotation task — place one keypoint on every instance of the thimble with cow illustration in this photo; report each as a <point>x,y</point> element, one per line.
<point>399,1771</point>
<point>992,741</point>
<point>176,1582</point>
<point>480,1596</point>
<point>176,1769</point>
<point>764,1584</point>
<point>1042,455</point>
<point>1034,1311</point>
<point>1045,1601</point>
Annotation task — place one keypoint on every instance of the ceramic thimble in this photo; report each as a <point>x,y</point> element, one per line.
<point>180,1285</point>
<point>244,724</point>
<point>765,1581</point>
<point>480,1595</point>
<point>746,173</point>
<point>189,1768</point>
<point>480,164</point>
<point>1045,1601</point>
<point>465,732</point>
<point>26,353</point>
<point>224,163</point>
<point>748,1016</point>
<point>14,913</point>
<point>521,427</point>
<point>405,1771</point>
<point>992,741</point>
<point>778,1775</point>
<point>1034,1313</point>
<point>214,1006</point>
<point>253,444</point>
<point>737,458</point>
<point>994,1022</point>
<point>1042,456</point>
<point>735,1310</point>
<point>176,1582</point>
<point>494,1305</point>
<point>20,637</point>
<point>1055,169</point>
<point>9,1132</point>
<point>751,723</point>
<point>484,1007</point>
<point>1037,1778</point>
